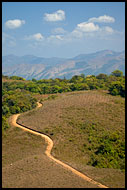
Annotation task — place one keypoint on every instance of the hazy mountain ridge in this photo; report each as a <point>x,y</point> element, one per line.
<point>30,66</point>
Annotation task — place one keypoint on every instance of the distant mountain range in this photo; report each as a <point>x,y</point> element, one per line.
<point>30,66</point>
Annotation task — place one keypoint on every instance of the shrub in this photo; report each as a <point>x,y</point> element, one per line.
<point>117,73</point>
<point>109,153</point>
<point>117,88</point>
<point>4,123</point>
<point>5,110</point>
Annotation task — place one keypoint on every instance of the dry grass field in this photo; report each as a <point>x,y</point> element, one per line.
<point>73,121</point>
<point>24,164</point>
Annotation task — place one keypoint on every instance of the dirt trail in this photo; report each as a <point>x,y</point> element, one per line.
<point>49,148</point>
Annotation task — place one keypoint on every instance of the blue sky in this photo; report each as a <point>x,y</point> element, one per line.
<point>62,29</point>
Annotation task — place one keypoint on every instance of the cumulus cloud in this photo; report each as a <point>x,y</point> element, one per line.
<point>87,27</point>
<point>37,37</point>
<point>84,28</point>
<point>56,16</point>
<point>12,24</point>
<point>81,31</point>
<point>105,19</point>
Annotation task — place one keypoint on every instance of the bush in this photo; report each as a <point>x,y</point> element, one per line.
<point>117,88</point>
<point>101,76</point>
<point>5,110</point>
<point>109,153</point>
<point>16,78</point>
<point>117,73</point>
<point>4,123</point>
<point>14,109</point>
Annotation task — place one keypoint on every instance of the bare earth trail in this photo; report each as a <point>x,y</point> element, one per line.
<point>49,148</point>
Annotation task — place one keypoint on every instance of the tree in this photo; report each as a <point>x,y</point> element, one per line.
<point>4,124</point>
<point>82,75</point>
<point>16,78</point>
<point>74,79</point>
<point>11,102</point>
<point>55,89</point>
<point>14,109</point>
<point>117,88</point>
<point>101,76</point>
<point>73,87</point>
<point>34,80</point>
<point>117,73</point>
<point>5,110</point>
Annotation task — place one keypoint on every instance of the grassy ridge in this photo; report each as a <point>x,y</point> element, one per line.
<point>86,127</point>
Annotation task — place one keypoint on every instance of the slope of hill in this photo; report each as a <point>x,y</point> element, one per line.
<point>90,123</point>
<point>74,126</point>
<point>82,136</point>
<point>30,66</point>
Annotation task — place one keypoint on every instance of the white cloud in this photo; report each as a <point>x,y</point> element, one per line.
<point>105,31</point>
<point>109,29</point>
<point>37,37</point>
<point>90,29</point>
<point>87,27</point>
<point>76,34</point>
<point>58,31</point>
<point>55,37</point>
<point>59,37</point>
<point>105,19</point>
<point>82,29</point>
<point>12,24</point>
<point>56,16</point>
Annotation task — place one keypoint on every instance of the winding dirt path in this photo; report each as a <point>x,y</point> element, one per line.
<point>49,148</point>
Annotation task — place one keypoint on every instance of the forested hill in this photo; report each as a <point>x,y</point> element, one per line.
<point>30,66</point>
